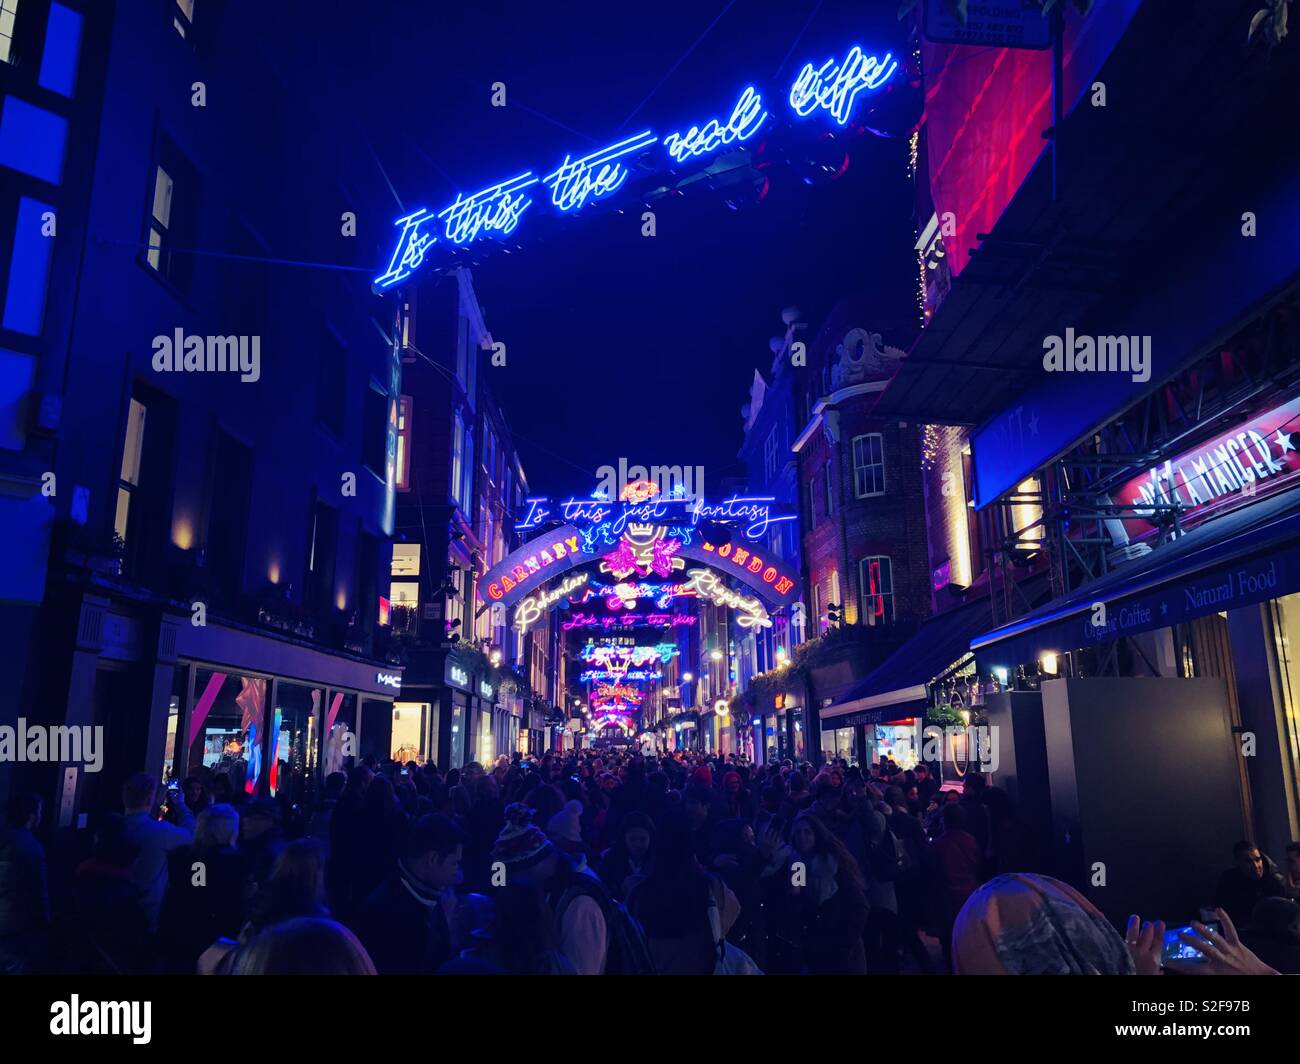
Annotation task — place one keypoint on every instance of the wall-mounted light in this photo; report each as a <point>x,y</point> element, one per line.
<point>1048,663</point>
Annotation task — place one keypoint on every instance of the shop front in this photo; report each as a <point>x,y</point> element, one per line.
<point>265,717</point>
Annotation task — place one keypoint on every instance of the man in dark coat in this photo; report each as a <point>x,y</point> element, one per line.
<point>406,924</point>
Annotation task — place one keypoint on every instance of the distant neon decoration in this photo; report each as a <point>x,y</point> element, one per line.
<point>833,88</point>
<point>612,622</point>
<point>642,675</point>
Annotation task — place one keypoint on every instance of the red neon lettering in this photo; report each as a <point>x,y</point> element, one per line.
<point>494,591</point>
<point>769,574</point>
<point>756,564</point>
<point>783,585</point>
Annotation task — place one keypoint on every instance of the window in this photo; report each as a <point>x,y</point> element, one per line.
<point>466,490</point>
<point>835,590</point>
<point>817,609</point>
<point>876,588</point>
<point>404,444</point>
<point>809,507</point>
<point>173,207</point>
<point>321,557</point>
<point>770,456</point>
<point>406,559</point>
<point>331,381</point>
<point>129,475</point>
<point>183,17</point>
<point>8,14</point>
<point>374,439</point>
<point>868,465</point>
<point>457,455</point>
<point>829,486</point>
<point>232,481</point>
<point>404,600</point>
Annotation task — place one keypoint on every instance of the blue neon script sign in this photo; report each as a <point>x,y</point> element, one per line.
<point>834,88</point>
<point>746,117</point>
<point>596,175</point>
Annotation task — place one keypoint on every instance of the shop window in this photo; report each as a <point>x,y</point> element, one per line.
<point>295,742</point>
<point>340,731</point>
<point>227,729</point>
<point>410,726</point>
<point>868,465</point>
<point>876,583</point>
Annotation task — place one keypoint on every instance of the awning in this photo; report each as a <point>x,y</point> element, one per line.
<point>897,687</point>
<point>1248,556</point>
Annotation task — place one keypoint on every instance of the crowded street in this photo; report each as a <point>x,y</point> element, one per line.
<point>755,489</point>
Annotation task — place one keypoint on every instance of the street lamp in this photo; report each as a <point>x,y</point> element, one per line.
<point>716,655</point>
<point>687,677</point>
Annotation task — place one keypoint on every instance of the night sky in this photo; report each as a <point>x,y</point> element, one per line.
<point>620,345</point>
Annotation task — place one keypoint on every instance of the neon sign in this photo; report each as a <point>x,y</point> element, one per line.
<point>615,622</point>
<point>608,521</point>
<point>832,87</point>
<point>594,176</point>
<point>746,117</point>
<point>530,609</point>
<point>529,565</point>
<point>752,612</point>
<point>495,209</point>
<point>643,675</point>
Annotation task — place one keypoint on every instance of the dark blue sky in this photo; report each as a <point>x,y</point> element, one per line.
<point>620,345</point>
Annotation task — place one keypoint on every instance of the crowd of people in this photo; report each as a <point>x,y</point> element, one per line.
<point>594,862</point>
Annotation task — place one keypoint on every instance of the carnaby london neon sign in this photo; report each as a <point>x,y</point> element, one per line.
<point>832,88</point>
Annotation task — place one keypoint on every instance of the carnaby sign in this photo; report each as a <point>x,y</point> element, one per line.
<point>532,565</point>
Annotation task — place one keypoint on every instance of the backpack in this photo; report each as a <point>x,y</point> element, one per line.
<point>627,949</point>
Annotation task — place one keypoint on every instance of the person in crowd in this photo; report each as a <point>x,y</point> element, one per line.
<point>109,931</point>
<point>1291,872</point>
<point>736,802</point>
<point>577,901</point>
<point>1025,924</point>
<point>377,846</point>
<point>697,804</point>
<point>1251,879</point>
<point>564,829</point>
<point>818,897</point>
<point>322,814</point>
<point>295,887</point>
<point>974,788</point>
<point>520,938</point>
<point>738,862</point>
<point>956,865</point>
<point>910,883</point>
<point>24,896</point>
<point>207,888</point>
<point>153,839</point>
<point>305,946</point>
<point>630,857</point>
<point>1275,934</point>
<point>673,904</point>
<point>406,923</point>
<point>196,794</point>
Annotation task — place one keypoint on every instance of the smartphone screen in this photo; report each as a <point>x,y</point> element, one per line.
<point>1175,949</point>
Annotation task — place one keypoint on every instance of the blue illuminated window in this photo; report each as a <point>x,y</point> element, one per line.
<point>62,48</point>
<point>29,269</point>
<point>32,140</point>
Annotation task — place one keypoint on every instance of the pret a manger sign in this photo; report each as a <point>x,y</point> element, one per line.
<point>1254,457</point>
<point>829,88</point>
